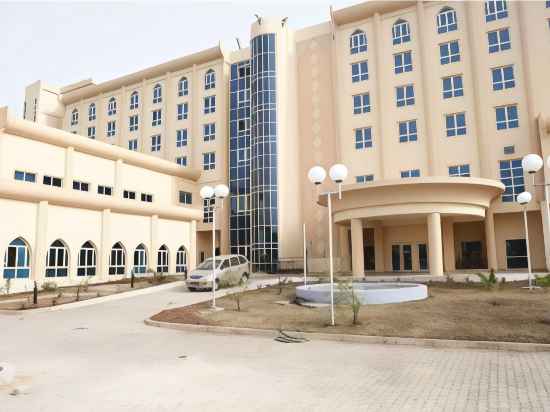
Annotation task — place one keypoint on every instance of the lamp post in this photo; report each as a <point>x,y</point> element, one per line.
<point>317,175</point>
<point>523,199</point>
<point>212,193</point>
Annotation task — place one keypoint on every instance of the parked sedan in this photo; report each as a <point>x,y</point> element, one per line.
<point>228,270</point>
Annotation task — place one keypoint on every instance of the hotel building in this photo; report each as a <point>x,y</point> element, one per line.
<point>431,106</point>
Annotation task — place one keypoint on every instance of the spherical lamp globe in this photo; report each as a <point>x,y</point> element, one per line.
<point>207,192</point>
<point>532,163</point>
<point>338,173</point>
<point>221,191</point>
<point>524,198</point>
<point>316,175</point>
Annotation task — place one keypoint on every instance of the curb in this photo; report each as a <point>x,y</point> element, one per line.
<point>335,337</point>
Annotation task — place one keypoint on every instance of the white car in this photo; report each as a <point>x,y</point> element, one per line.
<point>228,270</point>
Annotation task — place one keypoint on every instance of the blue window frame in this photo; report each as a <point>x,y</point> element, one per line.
<point>401,32</point>
<point>452,86</point>
<point>402,62</point>
<point>181,160</point>
<point>361,103</point>
<point>209,132</point>
<point>446,20</point>
<point>511,176</point>
<point>24,176</point>
<point>404,95</point>
<point>459,171</point>
<point>209,161</point>
<point>183,111</point>
<point>363,138</point>
<point>209,104</point>
<point>16,260</point>
<point>358,42</point>
<point>181,137</point>
<point>455,124</point>
<point>495,9</point>
<point>364,178</point>
<point>359,71</point>
<point>548,4</point>
<point>503,78</point>
<point>507,117</point>
<point>449,52</point>
<point>407,131</point>
<point>410,173</point>
<point>133,144</point>
<point>499,40</point>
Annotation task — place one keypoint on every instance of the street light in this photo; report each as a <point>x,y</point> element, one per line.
<point>212,193</point>
<point>338,174</point>
<point>523,199</point>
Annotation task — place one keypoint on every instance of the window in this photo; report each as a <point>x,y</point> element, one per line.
<point>402,62</point>
<point>459,170</point>
<point>361,103</point>
<point>186,197</point>
<point>181,260</point>
<point>129,194</point>
<point>209,161</point>
<point>162,259</point>
<point>207,210</point>
<point>156,117</point>
<point>91,112</point>
<point>410,173</point>
<point>140,259</point>
<point>507,117</point>
<point>359,71</point>
<point>183,111</point>
<point>503,78</point>
<point>157,94</point>
<point>155,143</point>
<point>82,186</point>
<point>452,86</point>
<point>516,254</point>
<point>358,42</point>
<point>209,132</point>
<point>134,101</point>
<point>111,107</point>
<point>181,137</point>
<point>495,9</point>
<point>16,260</point>
<point>74,117</point>
<point>449,52</point>
<point>407,131</point>
<point>446,20</point>
<point>24,176</point>
<point>91,132</point>
<point>181,160</point>
<point>209,80</point>
<point>401,32</point>
<point>364,178</point>
<point>209,104</point>
<point>511,176</point>
<point>363,138</point>
<point>455,124</point>
<point>105,190</point>
<point>183,87</point>
<point>499,40</point>
<point>57,260</point>
<point>133,144</point>
<point>111,128</point>
<point>548,4</point>
<point>147,197</point>
<point>134,122</point>
<point>404,95</point>
<point>86,260</point>
<point>52,181</point>
<point>117,260</point>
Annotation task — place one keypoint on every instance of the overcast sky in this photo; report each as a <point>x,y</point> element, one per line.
<point>61,43</point>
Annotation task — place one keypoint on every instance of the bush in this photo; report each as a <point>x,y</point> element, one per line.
<point>349,297</point>
<point>543,281</point>
<point>488,281</point>
<point>49,286</point>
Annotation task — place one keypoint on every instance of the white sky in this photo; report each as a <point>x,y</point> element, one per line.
<point>65,42</point>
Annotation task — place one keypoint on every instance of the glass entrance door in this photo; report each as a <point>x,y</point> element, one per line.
<point>401,258</point>
<point>423,256</point>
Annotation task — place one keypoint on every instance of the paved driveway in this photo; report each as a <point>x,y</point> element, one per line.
<point>103,358</point>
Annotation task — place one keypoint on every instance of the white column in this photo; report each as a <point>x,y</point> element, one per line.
<point>192,249</point>
<point>379,247</point>
<point>545,231</point>
<point>491,248</point>
<point>358,260</point>
<point>435,247</point>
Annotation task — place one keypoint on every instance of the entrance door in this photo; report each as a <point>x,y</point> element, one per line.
<point>423,256</point>
<point>471,255</point>
<point>396,258</point>
<point>407,258</point>
<point>369,257</point>
<point>401,258</point>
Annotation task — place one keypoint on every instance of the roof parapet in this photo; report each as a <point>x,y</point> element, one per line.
<point>367,9</point>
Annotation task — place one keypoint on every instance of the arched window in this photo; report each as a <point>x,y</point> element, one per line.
<point>16,260</point>
<point>181,260</point>
<point>401,32</point>
<point>117,260</point>
<point>111,107</point>
<point>57,260</point>
<point>446,20</point>
<point>140,259</point>
<point>134,100</point>
<point>74,117</point>
<point>86,260</point>
<point>157,93</point>
<point>162,259</point>
<point>358,42</point>
<point>209,79</point>
<point>91,112</point>
<point>183,87</point>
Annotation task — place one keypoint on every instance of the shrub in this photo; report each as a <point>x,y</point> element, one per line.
<point>49,286</point>
<point>349,297</point>
<point>489,281</point>
<point>543,281</point>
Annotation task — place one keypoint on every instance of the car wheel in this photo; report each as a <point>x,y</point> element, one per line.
<point>244,278</point>
<point>190,289</point>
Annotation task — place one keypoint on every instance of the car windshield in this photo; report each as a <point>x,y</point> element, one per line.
<point>207,264</point>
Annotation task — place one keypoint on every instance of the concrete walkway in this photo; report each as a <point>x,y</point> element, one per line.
<point>103,358</point>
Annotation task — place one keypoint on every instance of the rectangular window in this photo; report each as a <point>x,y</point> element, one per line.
<point>449,52</point>
<point>455,124</point>
<point>207,210</point>
<point>155,143</point>
<point>452,86</point>
<point>104,190</point>
<point>402,62</point>
<point>91,132</point>
<point>52,181</point>
<point>181,137</point>
<point>133,122</point>
<point>209,132</point>
<point>503,78</point>
<point>209,104</point>
<point>111,128</point>
<point>407,131</point>
<point>129,194</point>
<point>24,176</point>
<point>83,187</point>
<point>363,138</point>
<point>511,176</point>
<point>181,160</point>
<point>499,40</point>
<point>156,117</point>
<point>183,111</point>
<point>548,4</point>
<point>410,173</point>
<point>133,144</point>
<point>186,198</point>
<point>516,254</point>
<point>404,95</point>
<point>507,117</point>
<point>495,9</point>
<point>364,178</point>
<point>146,197</point>
<point>359,71</point>
<point>361,103</point>
<point>459,170</point>
<point>209,161</point>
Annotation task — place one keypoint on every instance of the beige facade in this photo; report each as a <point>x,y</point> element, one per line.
<point>444,88</point>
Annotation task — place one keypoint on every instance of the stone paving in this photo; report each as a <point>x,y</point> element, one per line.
<point>103,358</point>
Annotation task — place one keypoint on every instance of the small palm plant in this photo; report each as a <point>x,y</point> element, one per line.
<point>348,296</point>
<point>488,281</point>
